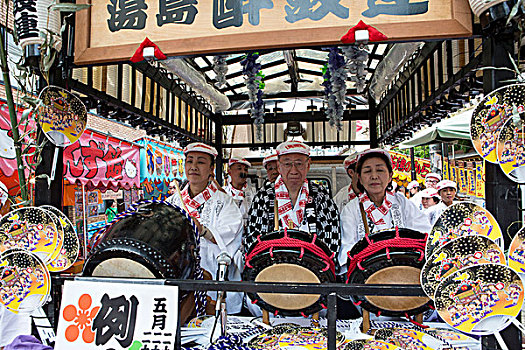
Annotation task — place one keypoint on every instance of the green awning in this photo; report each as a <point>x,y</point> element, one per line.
<point>450,129</point>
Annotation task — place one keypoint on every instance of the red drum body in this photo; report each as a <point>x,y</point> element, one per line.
<point>389,257</point>
<point>289,256</point>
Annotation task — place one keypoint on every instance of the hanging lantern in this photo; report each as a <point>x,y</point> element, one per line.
<point>33,17</point>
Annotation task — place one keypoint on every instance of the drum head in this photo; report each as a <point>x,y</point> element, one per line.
<point>157,236</point>
<point>396,275</point>
<point>288,265</point>
<point>288,273</point>
<point>401,266</point>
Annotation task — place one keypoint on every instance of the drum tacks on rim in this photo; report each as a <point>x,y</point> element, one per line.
<point>376,259</point>
<point>289,256</point>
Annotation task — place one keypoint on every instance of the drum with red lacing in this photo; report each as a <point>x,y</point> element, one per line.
<point>389,257</point>
<point>288,256</point>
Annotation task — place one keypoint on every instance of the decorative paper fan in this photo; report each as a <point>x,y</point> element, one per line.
<point>407,338</point>
<point>462,219</point>
<point>517,252</point>
<point>490,115</point>
<point>475,294</point>
<point>60,236</point>
<point>29,228</point>
<point>287,336</point>
<point>62,116</point>
<point>511,148</point>
<point>455,255</point>
<point>70,249</point>
<point>24,281</point>
<point>370,344</point>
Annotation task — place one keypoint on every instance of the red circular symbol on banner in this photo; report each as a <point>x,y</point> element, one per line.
<point>81,319</point>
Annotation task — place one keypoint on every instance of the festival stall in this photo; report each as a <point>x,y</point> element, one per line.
<point>96,168</point>
<point>160,163</point>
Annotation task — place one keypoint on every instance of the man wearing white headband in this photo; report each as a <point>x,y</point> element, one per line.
<point>216,216</point>
<point>302,204</point>
<point>237,185</point>
<point>270,163</point>
<point>350,192</point>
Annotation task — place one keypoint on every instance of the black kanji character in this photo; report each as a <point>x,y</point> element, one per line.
<point>297,10</point>
<point>177,11</point>
<point>127,14</point>
<point>159,321</point>
<point>160,305</point>
<point>117,317</point>
<point>227,13</point>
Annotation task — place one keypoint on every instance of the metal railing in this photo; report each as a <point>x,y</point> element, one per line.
<point>330,290</point>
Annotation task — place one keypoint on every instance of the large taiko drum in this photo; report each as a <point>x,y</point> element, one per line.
<point>389,257</point>
<point>153,240</point>
<point>284,257</point>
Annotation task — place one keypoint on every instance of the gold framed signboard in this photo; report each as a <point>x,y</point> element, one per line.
<point>112,30</point>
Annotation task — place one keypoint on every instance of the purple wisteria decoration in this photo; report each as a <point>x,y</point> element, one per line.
<point>356,56</point>
<point>335,94</point>
<point>254,84</point>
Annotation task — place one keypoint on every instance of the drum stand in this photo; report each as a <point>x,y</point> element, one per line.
<point>366,320</point>
<point>266,317</point>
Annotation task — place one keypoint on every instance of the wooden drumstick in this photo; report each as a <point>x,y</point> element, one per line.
<point>180,196</point>
<point>276,215</point>
<point>217,184</point>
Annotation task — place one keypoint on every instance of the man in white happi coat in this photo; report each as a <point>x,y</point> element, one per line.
<point>237,185</point>
<point>270,163</point>
<point>301,204</point>
<point>350,192</point>
<point>216,215</point>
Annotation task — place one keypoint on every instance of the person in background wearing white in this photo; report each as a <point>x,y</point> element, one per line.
<point>431,180</point>
<point>237,185</point>
<point>447,190</point>
<point>270,163</point>
<point>217,217</point>
<point>350,192</point>
<point>430,198</point>
<point>414,190</point>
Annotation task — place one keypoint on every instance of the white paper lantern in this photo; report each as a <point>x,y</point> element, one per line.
<point>33,17</point>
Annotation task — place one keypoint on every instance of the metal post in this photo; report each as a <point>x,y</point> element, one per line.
<point>498,188</point>
<point>84,223</point>
<point>332,320</point>
<point>218,146</point>
<point>413,175</point>
<point>372,120</point>
<point>444,151</point>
